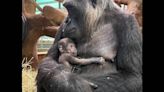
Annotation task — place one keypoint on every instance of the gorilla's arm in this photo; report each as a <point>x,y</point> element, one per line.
<point>129,58</point>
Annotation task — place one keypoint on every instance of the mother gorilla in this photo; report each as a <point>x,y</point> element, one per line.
<point>99,28</point>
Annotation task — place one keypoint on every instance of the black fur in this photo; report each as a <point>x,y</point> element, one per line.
<point>122,75</point>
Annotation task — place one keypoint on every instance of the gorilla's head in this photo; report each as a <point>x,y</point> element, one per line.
<point>84,16</point>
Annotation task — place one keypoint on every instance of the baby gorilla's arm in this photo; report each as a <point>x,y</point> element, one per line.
<point>68,59</point>
<point>85,61</point>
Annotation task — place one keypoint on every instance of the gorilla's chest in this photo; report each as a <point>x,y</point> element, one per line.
<point>103,43</point>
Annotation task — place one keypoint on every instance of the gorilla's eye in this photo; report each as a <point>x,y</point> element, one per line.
<point>68,20</point>
<point>94,2</point>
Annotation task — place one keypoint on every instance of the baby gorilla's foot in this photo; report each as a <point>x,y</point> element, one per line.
<point>93,85</point>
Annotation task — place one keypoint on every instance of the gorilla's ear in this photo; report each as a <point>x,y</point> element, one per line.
<point>94,2</point>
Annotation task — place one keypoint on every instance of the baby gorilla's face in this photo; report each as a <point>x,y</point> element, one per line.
<point>71,49</point>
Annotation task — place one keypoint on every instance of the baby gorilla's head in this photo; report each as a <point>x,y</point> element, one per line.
<point>66,45</point>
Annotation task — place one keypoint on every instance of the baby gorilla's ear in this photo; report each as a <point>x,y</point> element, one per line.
<point>60,48</point>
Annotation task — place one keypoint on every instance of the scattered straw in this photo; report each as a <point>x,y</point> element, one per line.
<point>28,76</point>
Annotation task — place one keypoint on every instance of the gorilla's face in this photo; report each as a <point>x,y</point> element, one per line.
<point>75,29</point>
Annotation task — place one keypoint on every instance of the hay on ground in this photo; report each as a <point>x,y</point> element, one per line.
<point>28,76</point>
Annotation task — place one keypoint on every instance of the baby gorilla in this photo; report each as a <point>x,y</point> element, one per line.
<point>68,56</point>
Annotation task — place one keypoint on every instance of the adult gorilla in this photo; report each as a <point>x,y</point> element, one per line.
<point>99,28</point>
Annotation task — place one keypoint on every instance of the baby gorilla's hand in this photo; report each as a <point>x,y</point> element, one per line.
<point>102,60</point>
